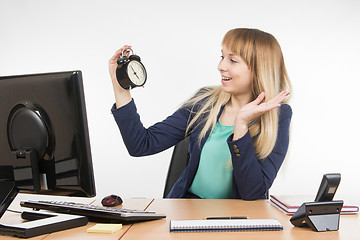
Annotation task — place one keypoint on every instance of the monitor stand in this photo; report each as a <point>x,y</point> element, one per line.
<point>39,222</point>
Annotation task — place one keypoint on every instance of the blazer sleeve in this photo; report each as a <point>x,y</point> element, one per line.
<point>141,141</point>
<point>253,177</point>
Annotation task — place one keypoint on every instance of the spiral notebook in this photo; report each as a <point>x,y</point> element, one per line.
<point>225,225</point>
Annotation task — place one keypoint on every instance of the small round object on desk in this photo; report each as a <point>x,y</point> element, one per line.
<point>111,201</point>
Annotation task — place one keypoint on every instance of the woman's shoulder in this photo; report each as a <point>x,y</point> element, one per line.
<point>205,90</point>
<point>284,107</point>
<point>200,96</point>
<point>285,111</point>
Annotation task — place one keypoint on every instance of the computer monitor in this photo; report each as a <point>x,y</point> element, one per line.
<point>44,140</point>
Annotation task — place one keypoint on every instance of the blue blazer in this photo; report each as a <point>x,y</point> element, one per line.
<point>252,177</point>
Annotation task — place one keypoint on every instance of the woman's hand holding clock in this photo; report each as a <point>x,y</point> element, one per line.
<point>122,96</point>
<point>113,61</point>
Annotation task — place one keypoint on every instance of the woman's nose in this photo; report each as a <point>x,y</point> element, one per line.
<point>222,66</point>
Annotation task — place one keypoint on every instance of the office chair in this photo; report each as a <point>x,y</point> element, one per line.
<point>179,160</point>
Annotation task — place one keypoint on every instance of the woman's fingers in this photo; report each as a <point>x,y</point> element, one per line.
<point>276,101</point>
<point>281,97</point>
<point>259,99</point>
<point>124,51</point>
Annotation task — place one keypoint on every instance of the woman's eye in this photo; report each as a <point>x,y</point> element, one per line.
<point>231,60</point>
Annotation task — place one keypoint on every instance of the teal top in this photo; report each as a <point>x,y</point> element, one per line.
<point>213,179</point>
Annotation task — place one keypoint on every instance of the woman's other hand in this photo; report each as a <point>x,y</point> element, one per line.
<point>255,109</point>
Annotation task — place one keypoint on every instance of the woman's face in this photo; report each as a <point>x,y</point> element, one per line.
<point>236,76</point>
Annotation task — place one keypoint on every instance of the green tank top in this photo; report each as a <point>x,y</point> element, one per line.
<point>213,179</point>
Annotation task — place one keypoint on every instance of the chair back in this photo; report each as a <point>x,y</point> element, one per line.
<point>179,160</point>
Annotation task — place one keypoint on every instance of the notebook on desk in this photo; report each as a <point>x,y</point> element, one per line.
<point>289,204</point>
<point>225,225</point>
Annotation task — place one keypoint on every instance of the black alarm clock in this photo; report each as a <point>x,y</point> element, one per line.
<point>130,72</point>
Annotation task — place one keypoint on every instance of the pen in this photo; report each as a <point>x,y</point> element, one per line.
<point>219,218</point>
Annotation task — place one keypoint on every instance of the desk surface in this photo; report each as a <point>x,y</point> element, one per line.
<point>75,233</point>
<point>80,232</point>
<point>15,218</point>
<point>199,209</point>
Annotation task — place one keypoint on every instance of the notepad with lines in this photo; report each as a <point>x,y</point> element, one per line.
<point>225,225</point>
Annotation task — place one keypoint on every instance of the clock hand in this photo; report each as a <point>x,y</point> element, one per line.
<point>134,72</point>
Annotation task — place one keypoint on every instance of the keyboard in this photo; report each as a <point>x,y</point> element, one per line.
<point>94,213</point>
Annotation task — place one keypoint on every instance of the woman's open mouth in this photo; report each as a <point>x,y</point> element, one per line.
<point>225,79</point>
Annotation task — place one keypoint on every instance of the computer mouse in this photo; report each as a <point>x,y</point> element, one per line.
<point>111,201</point>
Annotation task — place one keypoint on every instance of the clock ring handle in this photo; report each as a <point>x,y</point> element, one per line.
<point>127,50</point>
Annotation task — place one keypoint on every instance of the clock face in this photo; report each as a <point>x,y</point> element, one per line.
<point>137,73</point>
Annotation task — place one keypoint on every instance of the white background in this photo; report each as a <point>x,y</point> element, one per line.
<point>180,43</point>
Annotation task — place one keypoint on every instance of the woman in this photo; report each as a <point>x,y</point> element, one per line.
<point>239,131</point>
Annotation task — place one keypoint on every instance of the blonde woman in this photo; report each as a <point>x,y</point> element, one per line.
<point>239,131</point>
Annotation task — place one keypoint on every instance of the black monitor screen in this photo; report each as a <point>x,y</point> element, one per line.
<point>44,140</point>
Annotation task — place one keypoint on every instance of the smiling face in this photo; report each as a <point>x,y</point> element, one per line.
<point>236,76</point>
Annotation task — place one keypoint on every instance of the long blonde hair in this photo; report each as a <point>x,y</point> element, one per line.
<point>263,55</point>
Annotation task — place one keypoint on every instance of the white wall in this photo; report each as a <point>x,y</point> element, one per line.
<point>179,42</point>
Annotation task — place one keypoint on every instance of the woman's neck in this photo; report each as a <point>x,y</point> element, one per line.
<point>237,102</point>
<point>231,109</point>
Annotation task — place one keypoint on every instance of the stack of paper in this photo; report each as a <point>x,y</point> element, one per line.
<point>289,204</point>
